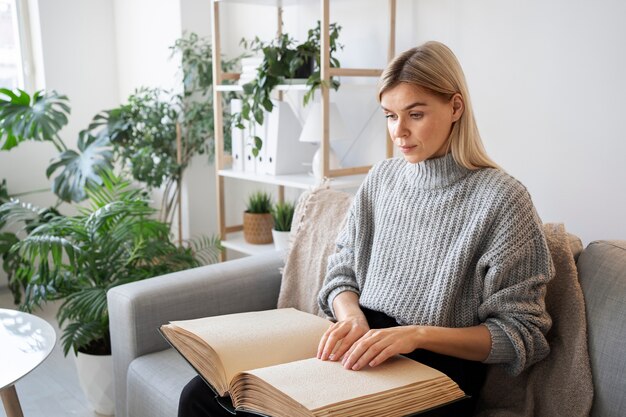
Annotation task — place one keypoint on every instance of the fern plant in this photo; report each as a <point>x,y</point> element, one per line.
<point>113,241</point>
<point>283,216</point>
<point>259,202</point>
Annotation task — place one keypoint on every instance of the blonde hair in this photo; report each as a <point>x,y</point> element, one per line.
<point>434,67</point>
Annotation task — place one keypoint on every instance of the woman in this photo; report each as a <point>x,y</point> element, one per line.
<point>443,252</point>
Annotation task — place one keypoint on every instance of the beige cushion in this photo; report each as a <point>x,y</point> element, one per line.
<point>575,244</point>
<point>319,217</point>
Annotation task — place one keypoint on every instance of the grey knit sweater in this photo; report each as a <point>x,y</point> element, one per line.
<point>436,244</point>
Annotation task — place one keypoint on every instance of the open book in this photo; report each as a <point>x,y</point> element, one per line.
<point>267,362</point>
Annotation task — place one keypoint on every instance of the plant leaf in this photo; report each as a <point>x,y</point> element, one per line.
<point>80,168</point>
<point>23,118</point>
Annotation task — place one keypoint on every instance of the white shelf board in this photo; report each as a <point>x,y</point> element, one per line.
<point>303,181</point>
<point>300,87</point>
<point>276,3</point>
<point>280,87</point>
<point>235,241</point>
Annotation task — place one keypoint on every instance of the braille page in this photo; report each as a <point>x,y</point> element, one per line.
<point>259,339</point>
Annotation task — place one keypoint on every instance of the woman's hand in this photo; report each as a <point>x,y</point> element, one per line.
<point>340,337</point>
<point>378,345</point>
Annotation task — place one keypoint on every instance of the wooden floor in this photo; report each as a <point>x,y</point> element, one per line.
<point>52,389</point>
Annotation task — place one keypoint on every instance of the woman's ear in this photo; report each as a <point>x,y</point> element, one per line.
<point>458,106</point>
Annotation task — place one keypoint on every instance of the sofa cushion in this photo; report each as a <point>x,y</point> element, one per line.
<point>318,219</point>
<point>155,382</point>
<point>602,271</point>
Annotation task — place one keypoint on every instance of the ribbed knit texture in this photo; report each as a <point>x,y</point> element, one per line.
<point>436,244</point>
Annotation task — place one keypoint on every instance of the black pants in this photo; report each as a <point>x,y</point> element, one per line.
<point>198,400</point>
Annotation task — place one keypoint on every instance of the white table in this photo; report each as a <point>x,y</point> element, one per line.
<point>25,342</point>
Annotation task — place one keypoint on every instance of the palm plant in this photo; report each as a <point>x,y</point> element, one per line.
<point>78,259</point>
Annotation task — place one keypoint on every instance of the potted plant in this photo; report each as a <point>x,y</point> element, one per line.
<point>283,59</point>
<point>257,219</point>
<point>77,259</point>
<point>283,216</point>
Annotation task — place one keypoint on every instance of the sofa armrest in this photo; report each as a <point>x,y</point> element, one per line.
<point>138,309</point>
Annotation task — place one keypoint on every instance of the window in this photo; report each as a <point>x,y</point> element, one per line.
<point>12,68</point>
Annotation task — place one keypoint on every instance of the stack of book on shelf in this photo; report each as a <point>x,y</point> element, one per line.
<point>249,68</point>
<point>266,361</point>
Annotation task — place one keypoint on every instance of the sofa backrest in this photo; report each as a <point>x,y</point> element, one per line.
<point>602,274</point>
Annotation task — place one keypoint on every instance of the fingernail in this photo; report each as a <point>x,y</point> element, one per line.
<point>332,357</point>
<point>355,368</point>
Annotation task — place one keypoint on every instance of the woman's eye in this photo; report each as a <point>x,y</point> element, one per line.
<point>390,116</point>
<point>417,115</point>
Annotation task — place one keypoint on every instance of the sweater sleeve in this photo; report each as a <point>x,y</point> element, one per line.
<point>516,269</point>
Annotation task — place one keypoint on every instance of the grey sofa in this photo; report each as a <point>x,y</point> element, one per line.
<point>149,376</point>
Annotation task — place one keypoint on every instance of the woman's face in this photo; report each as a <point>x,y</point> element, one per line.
<point>419,122</point>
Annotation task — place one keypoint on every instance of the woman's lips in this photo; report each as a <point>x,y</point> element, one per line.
<point>406,149</point>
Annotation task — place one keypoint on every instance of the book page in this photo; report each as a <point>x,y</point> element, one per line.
<point>246,341</point>
<point>328,383</point>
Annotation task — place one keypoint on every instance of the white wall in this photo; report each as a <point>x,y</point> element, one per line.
<point>144,31</point>
<point>547,82</point>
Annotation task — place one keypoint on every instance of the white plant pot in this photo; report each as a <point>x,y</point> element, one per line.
<point>95,375</point>
<point>281,240</point>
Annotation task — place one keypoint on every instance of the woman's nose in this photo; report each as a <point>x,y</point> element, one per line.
<point>400,129</point>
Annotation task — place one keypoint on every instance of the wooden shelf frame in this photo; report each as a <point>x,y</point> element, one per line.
<point>326,72</point>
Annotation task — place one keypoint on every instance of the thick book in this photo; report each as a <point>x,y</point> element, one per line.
<point>266,361</point>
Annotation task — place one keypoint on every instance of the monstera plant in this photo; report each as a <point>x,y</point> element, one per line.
<point>40,118</point>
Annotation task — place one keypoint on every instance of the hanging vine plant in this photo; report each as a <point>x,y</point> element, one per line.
<point>283,57</point>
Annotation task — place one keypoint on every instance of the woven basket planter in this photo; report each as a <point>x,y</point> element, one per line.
<point>257,228</point>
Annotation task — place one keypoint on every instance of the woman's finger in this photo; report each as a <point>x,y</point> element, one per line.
<point>385,354</point>
<point>363,353</point>
<point>348,341</point>
<point>336,334</point>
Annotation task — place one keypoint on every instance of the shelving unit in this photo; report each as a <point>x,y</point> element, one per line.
<point>339,178</point>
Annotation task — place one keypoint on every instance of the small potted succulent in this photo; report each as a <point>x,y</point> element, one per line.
<point>283,216</point>
<point>257,219</point>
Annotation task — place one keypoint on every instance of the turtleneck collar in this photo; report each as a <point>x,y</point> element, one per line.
<point>435,173</point>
